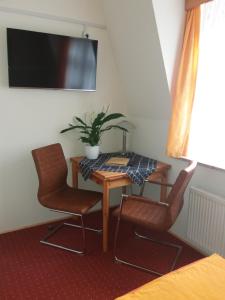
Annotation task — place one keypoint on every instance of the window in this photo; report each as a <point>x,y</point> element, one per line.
<point>207,138</point>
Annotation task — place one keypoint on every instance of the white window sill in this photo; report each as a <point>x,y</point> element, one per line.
<point>208,165</point>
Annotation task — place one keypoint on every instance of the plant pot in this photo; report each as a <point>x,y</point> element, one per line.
<point>91,152</point>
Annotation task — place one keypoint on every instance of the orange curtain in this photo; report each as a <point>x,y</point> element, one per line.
<point>189,4</point>
<point>185,87</point>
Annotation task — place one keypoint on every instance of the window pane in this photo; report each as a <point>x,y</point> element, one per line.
<point>207,142</point>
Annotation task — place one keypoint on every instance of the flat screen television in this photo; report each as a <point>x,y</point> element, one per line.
<point>43,60</point>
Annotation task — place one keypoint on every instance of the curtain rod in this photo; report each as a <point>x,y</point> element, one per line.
<point>50,17</point>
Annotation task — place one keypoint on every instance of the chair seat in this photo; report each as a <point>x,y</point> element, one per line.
<point>143,212</point>
<point>71,200</point>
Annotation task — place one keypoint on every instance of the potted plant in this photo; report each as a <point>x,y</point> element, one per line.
<point>92,128</point>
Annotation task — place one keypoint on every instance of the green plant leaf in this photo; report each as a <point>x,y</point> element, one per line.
<point>91,131</point>
<point>114,126</point>
<point>72,127</point>
<point>112,117</point>
<point>98,120</point>
<point>85,140</point>
<point>81,121</point>
<point>85,132</point>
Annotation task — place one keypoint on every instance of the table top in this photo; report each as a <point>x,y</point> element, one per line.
<point>106,175</point>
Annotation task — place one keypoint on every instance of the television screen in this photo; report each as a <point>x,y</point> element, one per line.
<point>42,60</point>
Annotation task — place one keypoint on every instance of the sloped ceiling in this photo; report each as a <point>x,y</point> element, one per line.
<point>134,36</point>
<point>170,19</point>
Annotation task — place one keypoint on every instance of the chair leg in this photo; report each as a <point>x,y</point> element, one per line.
<point>55,229</point>
<point>74,225</point>
<point>178,247</point>
<point>86,228</point>
<point>118,260</point>
<point>116,238</point>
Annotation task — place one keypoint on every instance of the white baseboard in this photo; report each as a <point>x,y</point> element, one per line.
<point>34,225</point>
<point>42,223</point>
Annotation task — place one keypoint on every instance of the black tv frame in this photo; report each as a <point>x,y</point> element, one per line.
<point>16,83</point>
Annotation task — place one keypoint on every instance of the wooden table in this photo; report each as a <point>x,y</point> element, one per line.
<point>111,180</point>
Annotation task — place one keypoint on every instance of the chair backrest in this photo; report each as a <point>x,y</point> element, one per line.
<point>175,198</point>
<point>51,169</point>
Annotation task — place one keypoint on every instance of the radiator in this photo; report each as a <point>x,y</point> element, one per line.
<point>206,221</point>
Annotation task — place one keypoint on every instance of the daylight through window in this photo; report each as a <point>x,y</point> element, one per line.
<point>207,139</point>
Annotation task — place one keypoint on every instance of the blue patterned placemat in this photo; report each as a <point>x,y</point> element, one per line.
<point>138,168</point>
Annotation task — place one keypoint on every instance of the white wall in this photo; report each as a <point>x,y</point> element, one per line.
<point>31,118</point>
<point>85,10</point>
<point>146,63</point>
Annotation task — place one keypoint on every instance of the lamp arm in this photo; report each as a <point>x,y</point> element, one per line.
<point>124,149</point>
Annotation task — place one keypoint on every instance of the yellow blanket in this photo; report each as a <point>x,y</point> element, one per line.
<point>203,279</point>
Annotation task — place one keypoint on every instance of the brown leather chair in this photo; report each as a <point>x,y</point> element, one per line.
<point>157,216</point>
<point>55,194</point>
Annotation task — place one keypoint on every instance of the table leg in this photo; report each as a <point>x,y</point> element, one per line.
<point>74,175</point>
<point>124,190</point>
<point>105,215</point>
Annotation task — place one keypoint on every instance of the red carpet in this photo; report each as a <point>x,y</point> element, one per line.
<point>30,270</point>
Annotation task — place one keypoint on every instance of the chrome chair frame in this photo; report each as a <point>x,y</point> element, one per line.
<point>122,261</point>
<point>174,201</point>
<point>54,229</point>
